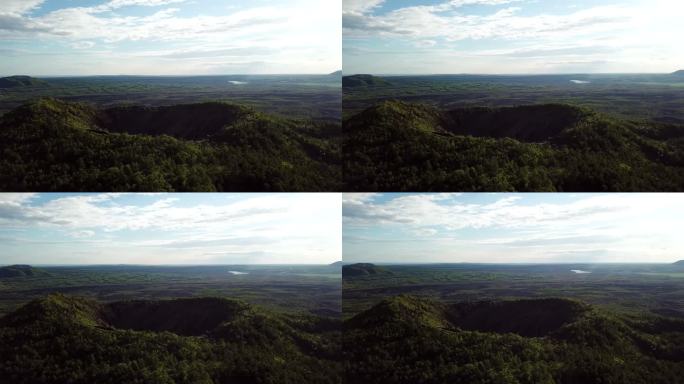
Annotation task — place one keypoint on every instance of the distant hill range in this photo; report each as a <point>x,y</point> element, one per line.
<point>210,146</point>
<point>20,81</point>
<point>338,264</point>
<point>363,269</point>
<point>679,263</point>
<point>363,81</point>
<point>547,147</point>
<point>679,73</point>
<point>21,270</point>
<point>549,340</point>
<point>194,340</point>
<point>336,73</point>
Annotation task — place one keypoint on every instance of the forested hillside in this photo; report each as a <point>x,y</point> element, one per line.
<point>363,81</point>
<point>19,81</point>
<point>363,269</point>
<point>21,270</point>
<point>397,146</point>
<point>414,340</point>
<point>50,145</point>
<point>63,339</point>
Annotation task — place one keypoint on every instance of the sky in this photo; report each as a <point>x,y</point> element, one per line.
<point>513,228</point>
<point>169,37</point>
<point>183,228</point>
<point>512,36</point>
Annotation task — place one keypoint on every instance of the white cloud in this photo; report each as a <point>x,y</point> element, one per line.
<point>297,37</point>
<point>82,234</point>
<point>113,4</point>
<point>514,228</point>
<point>425,22</point>
<point>10,198</point>
<point>460,3</point>
<point>360,6</point>
<point>421,210</point>
<point>82,44</point>
<point>425,43</point>
<point>175,228</point>
<point>624,37</point>
<point>19,6</point>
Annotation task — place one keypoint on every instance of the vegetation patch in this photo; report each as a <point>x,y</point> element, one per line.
<point>52,145</point>
<point>62,338</point>
<point>414,340</point>
<point>399,146</point>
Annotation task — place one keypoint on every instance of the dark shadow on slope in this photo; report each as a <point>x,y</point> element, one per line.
<point>530,318</point>
<point>181,316</point>
<point>534,123</point>
<point>188,121</point>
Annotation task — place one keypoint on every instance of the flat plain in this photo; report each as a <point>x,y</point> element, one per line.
<point>634,288</point>
<point>652,97</point>
<point>302,96</point>
<point>309,289</point>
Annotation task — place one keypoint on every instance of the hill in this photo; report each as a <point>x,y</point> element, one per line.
<point>678,73</point>
<point>201,340</point>
<point>51,145</point>
<point>398,146</point>
<point>336,73</point>
<point>20,81</point>
<point>408,340</point>
<point>20,270</point>
<point>363,81</point>
<point>363,269</point>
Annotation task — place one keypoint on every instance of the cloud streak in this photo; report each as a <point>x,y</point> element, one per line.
<point>453,36</point>
<point>512,228</point>
<point>169,229</point>
<point>296,37</point>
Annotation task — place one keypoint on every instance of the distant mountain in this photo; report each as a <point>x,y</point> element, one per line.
<point>20,81</point>
<point>363,269</point>
<point>210,146</point>
<point>363,81</point>
<point>678,73</point>
<point>197,340</point>
<point>399,146</point>
<point>336,73</point>
<point>337,264</point>
<point>679,263</point>
<point>522,341</point>
<point>20,270</point>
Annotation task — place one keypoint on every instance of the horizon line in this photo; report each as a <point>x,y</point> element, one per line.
<point>513,74</point>
<point>514,263</point>
<point>164,265</point>
<point>181,75</point>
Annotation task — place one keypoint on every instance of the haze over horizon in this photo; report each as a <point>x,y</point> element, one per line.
<point>511,36</point>
<point>166,229</point>
<point>512,228</point>
<point>169,37</point>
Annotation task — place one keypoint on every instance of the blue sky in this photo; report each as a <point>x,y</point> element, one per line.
<point>169,37</point>
<point>512,36</point>
<point>513,228</point>
<point>182,228</point>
